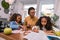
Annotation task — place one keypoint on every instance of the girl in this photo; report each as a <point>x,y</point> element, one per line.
<point>15,21</point>
<point>45,24</point>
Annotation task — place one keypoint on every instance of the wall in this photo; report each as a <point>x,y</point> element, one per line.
<point>17,7</point>
<point>2,14</point>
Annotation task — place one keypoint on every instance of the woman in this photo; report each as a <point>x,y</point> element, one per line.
<point>31,19</point>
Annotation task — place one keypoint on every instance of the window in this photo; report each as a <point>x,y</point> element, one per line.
<point>47,8</point>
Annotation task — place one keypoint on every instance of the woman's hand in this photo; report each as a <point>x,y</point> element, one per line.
<point>24,28</point>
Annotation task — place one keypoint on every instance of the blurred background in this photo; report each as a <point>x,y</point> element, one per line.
<point>43,7</point>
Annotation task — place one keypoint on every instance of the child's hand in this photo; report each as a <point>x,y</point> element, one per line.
<point>49,32</point>
<point>24,28</point>
<point>20,27</point>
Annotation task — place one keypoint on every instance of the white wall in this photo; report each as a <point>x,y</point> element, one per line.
<point>2,14</point>
<point>17,7</point>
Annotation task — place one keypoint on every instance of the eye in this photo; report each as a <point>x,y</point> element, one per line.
<point>19,18</point>
<point>32,12</point>
<point>43,21</point>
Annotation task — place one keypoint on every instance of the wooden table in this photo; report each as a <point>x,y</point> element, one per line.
<point>14,36</point>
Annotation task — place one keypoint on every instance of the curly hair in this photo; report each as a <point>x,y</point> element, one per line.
<point>14,17</point>
<point>48,26</point>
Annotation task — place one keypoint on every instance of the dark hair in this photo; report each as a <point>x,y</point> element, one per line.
<point>14,17</point>
<point>48,25</point>
<point>31,8</point>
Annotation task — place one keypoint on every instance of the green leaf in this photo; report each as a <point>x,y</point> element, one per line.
<point>55,18</point>
<point>5,5</point>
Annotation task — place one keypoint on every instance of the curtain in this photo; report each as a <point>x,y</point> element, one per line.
<point>57,11</point>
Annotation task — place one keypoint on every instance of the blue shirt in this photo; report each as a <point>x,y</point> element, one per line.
<point>14,25</point>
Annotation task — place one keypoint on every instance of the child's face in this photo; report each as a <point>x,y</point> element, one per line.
<point>19,18</point>
<point>43,21</point>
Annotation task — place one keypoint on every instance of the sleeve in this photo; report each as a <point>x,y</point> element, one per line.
<point>13,25</point>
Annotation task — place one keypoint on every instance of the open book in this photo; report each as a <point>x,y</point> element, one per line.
<point>36,36</point>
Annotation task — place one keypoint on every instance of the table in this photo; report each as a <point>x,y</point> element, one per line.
<point>13,36</point>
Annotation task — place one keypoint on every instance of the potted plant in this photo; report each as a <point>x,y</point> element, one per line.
<point>5,5</point>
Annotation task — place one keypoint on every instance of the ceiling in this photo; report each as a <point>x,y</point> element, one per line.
<point>28,1</point>
<point>47,1</point>
<point>35,1</point>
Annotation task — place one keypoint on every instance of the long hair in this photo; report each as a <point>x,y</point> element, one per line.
<point>14,17</point>
<point>48,26</point>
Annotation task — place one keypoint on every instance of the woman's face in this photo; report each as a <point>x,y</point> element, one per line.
<point>43,21</point>
<point>19,18</point>
<point>32,13</point>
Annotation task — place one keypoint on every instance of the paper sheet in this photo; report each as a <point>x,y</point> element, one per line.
<point>36,36</point>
